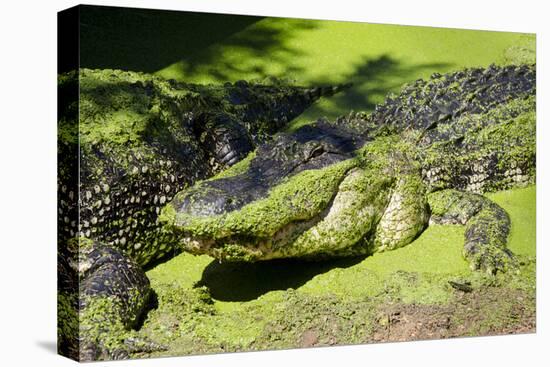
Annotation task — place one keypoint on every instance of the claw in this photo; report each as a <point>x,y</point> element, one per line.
<point>143,345</point>
<point>492,259</point>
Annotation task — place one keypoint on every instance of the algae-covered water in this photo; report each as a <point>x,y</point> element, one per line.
<point>376,58</point>
<point>405,294</point>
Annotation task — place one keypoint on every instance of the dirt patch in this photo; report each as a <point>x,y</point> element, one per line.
<point>309,338</point>
<point>486,311</point>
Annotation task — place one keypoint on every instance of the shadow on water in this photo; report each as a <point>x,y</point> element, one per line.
<point>377,76</point>
<point>251,54</point>
<point>205,47</point>
<point>148,40</point>
<point>248,281</point>
<point>191,43</point>
<point>372,80</point>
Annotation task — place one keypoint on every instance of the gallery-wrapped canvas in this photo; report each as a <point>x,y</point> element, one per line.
<point>233,183</point>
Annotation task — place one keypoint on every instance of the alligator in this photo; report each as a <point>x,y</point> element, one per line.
<point>358,185</point>
<point>370,183</point>
<point>140,139</point>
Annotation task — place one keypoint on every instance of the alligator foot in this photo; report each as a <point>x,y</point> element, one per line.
<point>487,228</point>
<point>112,295</point>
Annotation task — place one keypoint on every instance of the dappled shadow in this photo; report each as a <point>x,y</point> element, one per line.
<point>148,40</point>
<point>248,281</point>
<point>262,51</point>
<point>202,47</point>
<point>372,80</point>
<point>191,43</point>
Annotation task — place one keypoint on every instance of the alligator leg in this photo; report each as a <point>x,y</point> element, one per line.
<point>487,228</point>
<point>405,216</point>
<point>111,293</point>
<point>225,139</point>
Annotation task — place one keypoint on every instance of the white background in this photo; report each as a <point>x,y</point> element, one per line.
<point>28,182</point>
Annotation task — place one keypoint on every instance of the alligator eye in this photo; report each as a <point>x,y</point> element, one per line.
<point>315,152</point>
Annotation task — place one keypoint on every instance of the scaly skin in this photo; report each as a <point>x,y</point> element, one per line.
<point>361,184</point>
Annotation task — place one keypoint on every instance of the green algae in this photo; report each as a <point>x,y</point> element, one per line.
<point>275,305</point>
<point>337,301</point>
<point>67,323</point>
<point>119,107</point>
<point>101,323</point>
<point>522,52</point>
<point>520,204</point>
<point>237,168</point>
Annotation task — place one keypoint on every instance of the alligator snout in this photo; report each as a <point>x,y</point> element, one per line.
<point>218,196</point>
<point>310,147</point>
